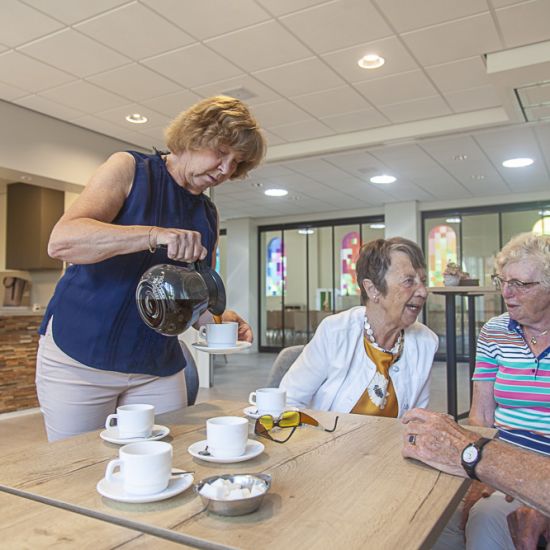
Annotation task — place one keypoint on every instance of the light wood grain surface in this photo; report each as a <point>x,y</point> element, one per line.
<point>350,488</point>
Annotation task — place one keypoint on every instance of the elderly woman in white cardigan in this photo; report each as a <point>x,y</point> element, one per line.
<point>373,359</point>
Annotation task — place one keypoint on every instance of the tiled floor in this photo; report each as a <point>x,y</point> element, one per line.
<point>233,380</point>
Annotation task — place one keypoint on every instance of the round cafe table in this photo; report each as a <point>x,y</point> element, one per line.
<point>450,293</point>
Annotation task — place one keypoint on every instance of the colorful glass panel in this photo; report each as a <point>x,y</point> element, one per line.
<point>441,249</point>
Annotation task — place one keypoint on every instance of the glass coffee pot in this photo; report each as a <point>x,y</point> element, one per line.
<point>171,298</point>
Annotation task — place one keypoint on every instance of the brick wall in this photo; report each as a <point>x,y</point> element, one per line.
<point>18,345</point>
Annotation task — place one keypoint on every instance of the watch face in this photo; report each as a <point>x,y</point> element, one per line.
<point>470,454</point>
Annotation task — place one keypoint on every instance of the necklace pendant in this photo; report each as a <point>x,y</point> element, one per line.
<point>533,341</point>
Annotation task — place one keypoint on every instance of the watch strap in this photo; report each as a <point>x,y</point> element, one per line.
<point>470,467</point>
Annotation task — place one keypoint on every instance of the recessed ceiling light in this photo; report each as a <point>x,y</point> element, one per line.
<point>453,220</point>
<point>377,225</point>
<point>371,61</point>
<point>460,157</point>
<point>306,231</point>
<point>384,178</point>
<point>257,184</point>
<point>276,192</point>
<point>136,118</point>
<point>477,177</point>
<point>517,163</point>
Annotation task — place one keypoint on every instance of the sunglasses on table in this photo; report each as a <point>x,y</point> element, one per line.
<point>287,419</point>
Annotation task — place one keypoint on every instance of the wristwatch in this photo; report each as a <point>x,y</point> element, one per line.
<point>471,455</point>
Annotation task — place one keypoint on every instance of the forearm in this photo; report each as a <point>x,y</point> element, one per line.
<point>87,241</point>
<point>525,475</point>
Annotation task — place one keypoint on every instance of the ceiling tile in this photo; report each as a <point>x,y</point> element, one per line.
<point>75,53</point>
<point>525,23</point>
<point>135,31</point>
<point>273,45</point>
<point>298,131</point>
<point>280,112</point>
<point>20,23</point>
<point>282,7</point>
<point>272,139</point>
<point>396,88</point>
<point>29,74</point>
<point>172,104</point>
<point>457,39</point>
<point>9,93</point>
<point>196,65</point>
<point>207,19</point>
<point>427,107</point>
<point>459,75</point>
<point>134,82</point>
<point>406,15</point>
<point>398,60</point>
<point>338,24</point>
<point>261,93</point>
<point>300,77</point>
<point>72,12</point>
<point>358,120</point>
<point>84,97</point>
<point>48,107</point>
<point>474,99</point>
<point>332,102</point>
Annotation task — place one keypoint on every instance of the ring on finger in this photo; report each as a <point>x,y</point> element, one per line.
<point>412,439</point>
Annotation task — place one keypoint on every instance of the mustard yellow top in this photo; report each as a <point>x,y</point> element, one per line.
<point>379,399</point>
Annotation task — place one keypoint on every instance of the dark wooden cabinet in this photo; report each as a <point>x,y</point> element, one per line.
<point>32,213</point>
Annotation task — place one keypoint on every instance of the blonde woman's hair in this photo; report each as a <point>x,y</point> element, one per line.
<point>527,246</point>
<point>219,120</point>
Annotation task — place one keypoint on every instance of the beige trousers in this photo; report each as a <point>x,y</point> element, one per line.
<point>75,398</point>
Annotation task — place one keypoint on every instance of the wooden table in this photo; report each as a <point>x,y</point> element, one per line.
<point>347,489</point>
<point>450,293</point>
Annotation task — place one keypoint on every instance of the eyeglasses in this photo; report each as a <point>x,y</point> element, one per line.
<point>515,284</point>
<point>287,419</point>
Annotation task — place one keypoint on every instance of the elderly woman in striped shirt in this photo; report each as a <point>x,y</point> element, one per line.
<point>512,378</point>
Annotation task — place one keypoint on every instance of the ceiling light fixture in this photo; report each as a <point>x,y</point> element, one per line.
<point>276,192</point>
<point>460,157</point>
<point>371,61</point>
<point>306,231</point>
<point>384,178</point>
<point>136,118</point>
<point>453,220</point>
<point>517,163</point>
<point>478,177</point>
<point>377,225</point>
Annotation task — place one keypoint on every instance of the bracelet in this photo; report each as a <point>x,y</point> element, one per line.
<point>152,249</point>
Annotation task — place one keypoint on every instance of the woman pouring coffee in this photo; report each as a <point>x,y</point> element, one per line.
<point>137,210</point>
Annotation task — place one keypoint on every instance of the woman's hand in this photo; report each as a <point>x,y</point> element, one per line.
<point>476,492</point>
<point>182,245</point>
<point>526,526</point>
<point>245,332</point>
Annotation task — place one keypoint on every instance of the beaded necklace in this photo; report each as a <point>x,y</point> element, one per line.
<point>395,350</point>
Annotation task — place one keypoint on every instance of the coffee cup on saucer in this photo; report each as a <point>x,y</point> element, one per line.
<point>220,335</point>
<point>145,467</point>
<point>268,400</point>
<point>227,436</point>
<point>132,420</point>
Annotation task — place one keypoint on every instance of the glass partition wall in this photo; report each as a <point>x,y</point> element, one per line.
<point>472,238</point>
<point>306,272</point>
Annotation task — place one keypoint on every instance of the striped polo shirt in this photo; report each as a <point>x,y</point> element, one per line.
<point>522,383</point>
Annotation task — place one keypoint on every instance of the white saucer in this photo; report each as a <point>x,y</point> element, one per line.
<point>111,435</point>
<point>241,346</point>
<point>253,449</point>
<point>252,411</point>
<point>115,490</point>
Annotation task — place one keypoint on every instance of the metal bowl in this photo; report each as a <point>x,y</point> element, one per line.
<point>237,507</point>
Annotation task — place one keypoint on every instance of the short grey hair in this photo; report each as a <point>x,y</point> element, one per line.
<point>527,246</point>
<point>375,259</point>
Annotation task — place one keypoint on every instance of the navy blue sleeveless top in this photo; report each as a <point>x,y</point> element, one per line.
<point>95,317</point>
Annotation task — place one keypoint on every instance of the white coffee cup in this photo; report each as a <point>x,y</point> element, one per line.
<point>269,400</point>
<point>145,467</point>
<point>132,420</point>
<point>220,335</point>
<point>227,436</point>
